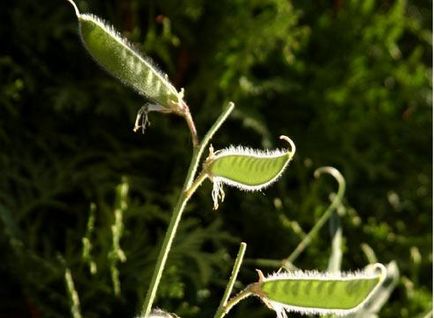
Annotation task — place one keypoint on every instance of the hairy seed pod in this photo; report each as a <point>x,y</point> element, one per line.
<point>115,54</point>
<point>310,292</point>
<point>246,168</point>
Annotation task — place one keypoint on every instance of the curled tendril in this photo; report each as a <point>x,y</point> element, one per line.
<point>290,142</point>
<point>77,12</point>
<point>335,173</point>
<point>336,202</point>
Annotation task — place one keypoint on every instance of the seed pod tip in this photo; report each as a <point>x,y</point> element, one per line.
<point>77,12</point>
<point>291,143</point>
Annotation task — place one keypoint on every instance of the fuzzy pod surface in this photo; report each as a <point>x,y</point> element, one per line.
<point>118,57</point>
<point>319,293</point>
<point>246,168</point>
<point>249,169</point>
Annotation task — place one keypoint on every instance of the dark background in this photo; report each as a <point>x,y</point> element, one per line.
<point>348,81</point>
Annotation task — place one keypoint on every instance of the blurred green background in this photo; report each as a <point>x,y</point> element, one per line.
<point>348,81</point>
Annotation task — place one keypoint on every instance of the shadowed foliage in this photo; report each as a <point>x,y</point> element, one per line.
<point>348,81</point>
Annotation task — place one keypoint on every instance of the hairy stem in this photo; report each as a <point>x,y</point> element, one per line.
<point>222,310</point>
<point>196,183</point>
<point>223,116</point>
<point>287,263</point>
<point>191,127</point>
<point>180,206</point>
<point>233,301</point>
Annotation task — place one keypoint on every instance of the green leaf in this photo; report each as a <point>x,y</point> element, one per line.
<point>119,58</point>
<point>319,293</point>
<point>246,168</point>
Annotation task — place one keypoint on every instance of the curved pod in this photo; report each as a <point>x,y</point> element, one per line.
<point>319,293</point>
<point>246,168</point>
<point>119,58</point>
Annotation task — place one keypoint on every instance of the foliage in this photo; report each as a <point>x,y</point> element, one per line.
<point>348,81</point>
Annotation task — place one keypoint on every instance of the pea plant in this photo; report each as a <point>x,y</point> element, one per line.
<point>287,290</point>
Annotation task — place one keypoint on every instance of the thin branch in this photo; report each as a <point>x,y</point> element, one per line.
<point>180,206</point>
<point>233,301</point>
<point>337,200</point>
<point>217,124</point>
<point>222,310</point>
<point>220,120</point>
<point>191,126</point>
<point>196,183</point>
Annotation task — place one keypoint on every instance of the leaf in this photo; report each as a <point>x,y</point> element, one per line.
<point>318,293</point>
<point>119,58</point>
<point>246,168</point>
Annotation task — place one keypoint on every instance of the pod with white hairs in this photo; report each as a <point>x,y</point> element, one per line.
<point>311,292</point>
<point>246,168</point>
<point>115,54</point>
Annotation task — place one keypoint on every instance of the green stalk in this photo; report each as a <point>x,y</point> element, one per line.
<point>73,295</point>
<point>233,301</point>
<point>179,208</point>
<point>223,308</point>
<point>287,263</point>
<point>337,200</point>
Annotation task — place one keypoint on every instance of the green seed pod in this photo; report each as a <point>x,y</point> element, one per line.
<point>318,293</point>
<point>119,58</point>
<point>246,168</point>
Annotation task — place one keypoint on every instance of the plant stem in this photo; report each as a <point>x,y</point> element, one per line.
<point>73,295</point>
<point>179,208</point>
<point>337,200</point>
<point>191,126</point>
<point>191,188</point>
<point>233,301</point>
<point>220,120</point>
<point>196,183</point>
<point>335,260</point>
<point>222,310</point>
